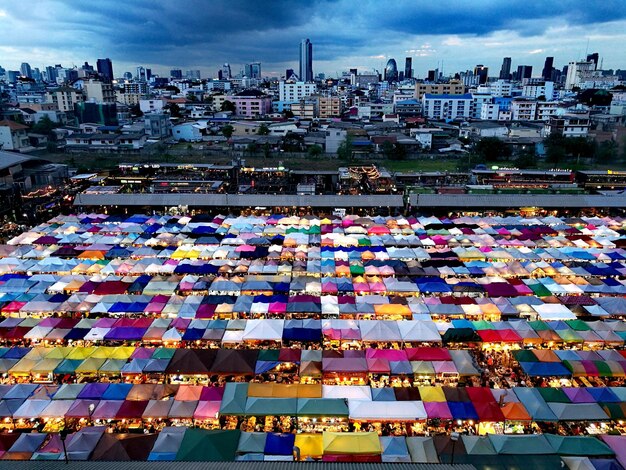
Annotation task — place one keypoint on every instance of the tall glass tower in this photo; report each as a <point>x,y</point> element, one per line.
<point>306,61</point>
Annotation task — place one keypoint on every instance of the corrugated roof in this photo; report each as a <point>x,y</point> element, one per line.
<point>122,465</point>
<point>237,200</point>
<point>516,200</point>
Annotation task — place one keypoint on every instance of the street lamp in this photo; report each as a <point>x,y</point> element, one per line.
<point>455,437</point>
<point>91,408</point>
<point>63,435</point>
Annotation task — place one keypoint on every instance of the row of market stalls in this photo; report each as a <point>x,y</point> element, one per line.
<point>183,444</point>
<point>353,334</point>
<point>14,303</point>
<point>308,407</point>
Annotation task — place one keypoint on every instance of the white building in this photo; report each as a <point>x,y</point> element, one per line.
<point>334,138</point>
<point>547,109</point>
<point>501,88</point>
<point>447,107</point>
<point>478,101</point>
<point>569,125</point>
<point>535,90</point>
<point>294,91</point>
<point>489,112</point>
<point>576,71</point>
<point>152,106</point>
<point>523,109</point>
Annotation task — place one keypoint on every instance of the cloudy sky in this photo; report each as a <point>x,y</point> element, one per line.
<point>203,34</point>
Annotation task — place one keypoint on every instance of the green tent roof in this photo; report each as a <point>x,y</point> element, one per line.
<point>578,445</point>
<point>322,407</point>
<point>203,445</point>
<point>256,406</point>
<point>525,355</point>
<point>234,399</point>
<point>554,395</point>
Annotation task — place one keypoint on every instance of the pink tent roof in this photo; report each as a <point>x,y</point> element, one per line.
<point>436,409</point>
<point>207,410</point>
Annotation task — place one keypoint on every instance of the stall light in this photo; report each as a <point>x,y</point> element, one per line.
<point>459,422</point>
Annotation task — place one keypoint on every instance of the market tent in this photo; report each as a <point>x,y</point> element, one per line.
<point>204,445</point>
<point>310,445</point>
<point>422,449</point>
<point>578,445</point>
<point>363,443</point>
<point>322,407</point>
<point>167,443</point>
<point>534,404</point>
<point>251,442</point>
<point>520,444</point>
<point>419,331</point>
<point>84,442</point>
<point>279,444</point>
<point>394,449</point>
<point>578,411</point>
<point>386,411</point>
<point>117,447</point>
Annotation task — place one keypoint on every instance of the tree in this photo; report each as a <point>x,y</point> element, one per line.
<point>288,114</point>
<point>228,106</point>
<point>267,151</point>
<point>192,97</point>
<point>174,110</point>
<point>345,150</point>
<point>555,148</point>
<point>607,151</point>
<point>527,158</point>
<point>393,151</point>
<point>251,148</point>
<point>45,126</point>
<point>314,151</point>
<point>173,89</point>
<point>263,130</point>
<point>136,111</point>
<point>491,149</point>
<point>228,130</point>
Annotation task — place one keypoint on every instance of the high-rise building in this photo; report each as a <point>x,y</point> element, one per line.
<point>105,69</point>
<point>176,74</point>
<point>193,74</point>
<point>306,60</point>
<point>141,74</point>
<point>595,57</point>
<point>26,70</point>
<point>505,70</point>
<point>408,68</point>
<point>391,71</point>
<point>482,72</point>
<point>524,72</point>
<point>252,70</point>
<point>226,74</point>
<point>546,73</point>
<point>148,74</point>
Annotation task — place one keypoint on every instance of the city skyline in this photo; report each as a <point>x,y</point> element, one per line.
<point>192,35</point>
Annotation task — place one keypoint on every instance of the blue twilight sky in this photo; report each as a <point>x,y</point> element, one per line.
<point>203,34</point>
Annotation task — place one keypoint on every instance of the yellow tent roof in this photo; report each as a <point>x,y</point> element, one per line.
<point>122,352</point>
<point>275,390</point>
<point>81,352</point>
<point>310,445</point>
<point>90,366</point>
<point>351,443</point>
<point>36,353</point>
<point>59,352</point>
<point>23,367</point>
<point>432,394</point>
<point>101,352</point>
<point>45,366</point>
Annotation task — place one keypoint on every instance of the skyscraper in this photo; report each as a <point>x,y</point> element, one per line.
<point>26,70</point>
<point>546,73</point>
<point>391,71</point>
<point>408,68</point>
<point>595,57</point>
<point>482,73</point>
<point>252,70</point>
<point>306,60</point>
<point>505,70</point>
<point>524,72</point>
<point>176,74</point>
<point>105,69</point>
<point>226,74</point>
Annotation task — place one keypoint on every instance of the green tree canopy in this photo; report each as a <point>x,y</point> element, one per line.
<point>492,149</point>
<point>227,131</point>
<point>228,106</point>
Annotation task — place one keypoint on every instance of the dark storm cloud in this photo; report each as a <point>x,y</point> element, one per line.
<point>208,32</point>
